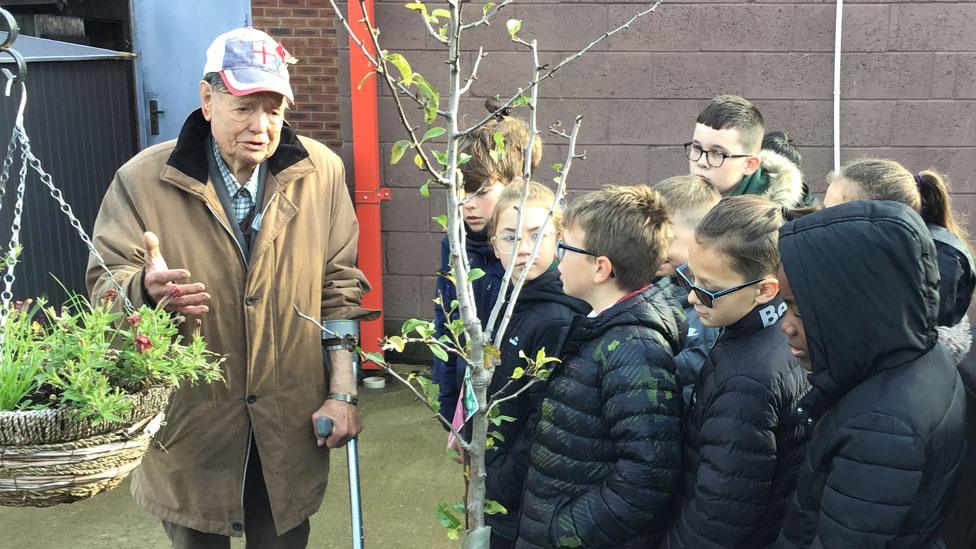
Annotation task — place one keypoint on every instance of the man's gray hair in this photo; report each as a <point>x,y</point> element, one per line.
<point>215,81</point>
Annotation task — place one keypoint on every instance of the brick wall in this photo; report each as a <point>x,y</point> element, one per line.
<point>908,89</point>
<point>308,31</point>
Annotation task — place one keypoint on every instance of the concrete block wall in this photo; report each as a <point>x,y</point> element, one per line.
<point>908,91</point>
<point>307,28</point>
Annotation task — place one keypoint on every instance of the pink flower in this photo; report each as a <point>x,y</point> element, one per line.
<point>134,319</point>
<point>111,294</point>
<point>142,343</point>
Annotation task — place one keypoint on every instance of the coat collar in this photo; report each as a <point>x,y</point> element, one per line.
<point>189,158</point>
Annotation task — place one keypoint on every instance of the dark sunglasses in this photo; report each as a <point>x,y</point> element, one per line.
<point>708,297</point>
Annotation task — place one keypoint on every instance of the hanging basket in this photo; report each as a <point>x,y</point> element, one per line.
<point>49,457</point>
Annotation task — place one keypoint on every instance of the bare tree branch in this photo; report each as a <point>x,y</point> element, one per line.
<point>563,63</point>
<point>560,191</point>
<point>487,17</point>
<point>474,71</point>
<point>522,389</point>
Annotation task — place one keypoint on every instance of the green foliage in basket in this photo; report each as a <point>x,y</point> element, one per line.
<point>89,358</point>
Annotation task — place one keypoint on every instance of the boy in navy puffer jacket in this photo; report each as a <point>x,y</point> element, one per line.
<point>604,464</point>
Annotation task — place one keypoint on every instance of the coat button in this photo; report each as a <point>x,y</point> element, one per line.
<point>250,300</point>
<point>237,526</point>
<point>251,399</point>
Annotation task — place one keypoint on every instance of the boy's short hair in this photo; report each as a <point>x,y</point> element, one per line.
<point>687,198</point>
<point>782,144</point>
<point>489,163</point>
<point>539,195</point>
<point>727,112</point>
<point>746,230</point>
<point>628,225</point>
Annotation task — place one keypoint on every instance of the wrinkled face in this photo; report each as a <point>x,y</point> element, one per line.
<point>713,271</point>
<point>728,176</point>
<point>247,129</point>
<point>504,240</point>
<point>678,251</point>
<point>792,324</point>
<point>840,191</point>
<point>575,269</point>
<point>478,208</point>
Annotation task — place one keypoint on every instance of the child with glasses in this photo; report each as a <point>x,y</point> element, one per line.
<point>742,442</point>
<point>490,169</point>
<point>539,322</point>
<point>604,462</point>
<point>887,406</point>
<point>726,150</point>
<point>687,198</point>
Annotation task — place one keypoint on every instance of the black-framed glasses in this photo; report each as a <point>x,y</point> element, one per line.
<point>562,248</point>
<point>708,297</point>
<point>715,159</point>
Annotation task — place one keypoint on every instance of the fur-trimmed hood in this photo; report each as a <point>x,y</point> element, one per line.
<point>785,179</point>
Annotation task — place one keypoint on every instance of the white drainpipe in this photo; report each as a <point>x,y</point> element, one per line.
<point>838,26</point>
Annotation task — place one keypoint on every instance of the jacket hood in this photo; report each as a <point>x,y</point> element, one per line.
<point>548,288</point>
<point>865,280</point>
<point>785,179</point>
<point>190,154</point>
<point>649,308</point>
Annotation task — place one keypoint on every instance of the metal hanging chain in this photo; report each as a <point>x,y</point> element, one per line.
<point>14,246</point>
<point>55,193</point>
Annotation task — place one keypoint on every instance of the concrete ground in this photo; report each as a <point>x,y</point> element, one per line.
<point>404,468</point>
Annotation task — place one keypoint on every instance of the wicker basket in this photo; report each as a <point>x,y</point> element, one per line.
<point>49,457</point>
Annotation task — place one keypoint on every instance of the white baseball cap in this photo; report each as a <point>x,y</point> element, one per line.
<point>249,61</point>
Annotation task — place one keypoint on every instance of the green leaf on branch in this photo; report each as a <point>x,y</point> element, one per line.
<point>400,62</point>
<point>394,343</point>
<point>487,7</point>
<point>497,436</point>
<point>399,148</point>
<point>475,274</point>
<point>438,13</point>
<point>463,158</point>
<point>418,161</point>
<point>432,133</point>
<point>438,351</point>
<point>430,389</point>
<point>446,517</point>
<point>456,327</point>
<point>429,96</point>
<point>442,32</point>
<point>522,101</point>
<point>419,6</point>
<point>513,26</point>
<point>558,167</point>
<point>425,189</point>
<point>441,220</point>
<point>374,357</point>
<point>498,151</point>
<point>518,372</point>
<point>441,157</point>
<point>492,507</point>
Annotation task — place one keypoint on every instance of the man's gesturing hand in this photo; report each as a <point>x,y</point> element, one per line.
<point>162,282</point>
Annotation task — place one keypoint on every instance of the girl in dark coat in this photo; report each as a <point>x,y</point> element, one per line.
<point>539,322</point>
<point>861,285</point>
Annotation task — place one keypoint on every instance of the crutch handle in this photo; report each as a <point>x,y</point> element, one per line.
<point>323,427</point>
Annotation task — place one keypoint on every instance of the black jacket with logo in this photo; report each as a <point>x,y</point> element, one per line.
<point>743,442</point>
<point>605,461</point>
<point>540,320</point>
<point>887,403</point>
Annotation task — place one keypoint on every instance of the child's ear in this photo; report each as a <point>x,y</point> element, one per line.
<point>752,164</point>
<point>604,269</point>
<point>768,289</point>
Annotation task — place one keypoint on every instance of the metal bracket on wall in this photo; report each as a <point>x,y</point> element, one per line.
<point>372,197</point>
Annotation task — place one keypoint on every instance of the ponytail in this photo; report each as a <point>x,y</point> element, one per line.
<point>936,208</point>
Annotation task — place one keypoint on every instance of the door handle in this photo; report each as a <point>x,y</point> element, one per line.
<point>154,113</point>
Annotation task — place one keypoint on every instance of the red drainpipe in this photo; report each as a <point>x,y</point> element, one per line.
<point>368,193</point>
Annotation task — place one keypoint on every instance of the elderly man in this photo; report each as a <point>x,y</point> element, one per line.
<point>252,221</point>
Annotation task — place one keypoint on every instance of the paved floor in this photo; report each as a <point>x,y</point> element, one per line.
<point>405,473</point>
